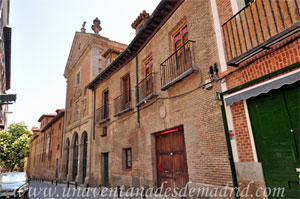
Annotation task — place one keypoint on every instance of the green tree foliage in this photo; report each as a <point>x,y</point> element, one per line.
<point>14,145</point>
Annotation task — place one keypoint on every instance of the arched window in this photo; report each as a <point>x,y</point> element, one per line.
<point>67,155</point>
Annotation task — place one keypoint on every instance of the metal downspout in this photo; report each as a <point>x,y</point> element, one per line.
<point>137,89</point>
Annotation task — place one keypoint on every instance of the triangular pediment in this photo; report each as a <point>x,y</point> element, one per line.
<point>79,45</point>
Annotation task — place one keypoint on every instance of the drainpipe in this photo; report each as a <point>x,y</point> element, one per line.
<point>230,155</point>
<point>137,89</point>
<point>94,112</point>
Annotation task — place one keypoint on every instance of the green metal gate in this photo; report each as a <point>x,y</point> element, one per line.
<point>275,122</point>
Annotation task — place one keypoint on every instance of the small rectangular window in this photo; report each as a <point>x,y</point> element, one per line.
<point>108,60</point>
<point>78,78</point>
<point>104,131</point>
<point>128,158</point>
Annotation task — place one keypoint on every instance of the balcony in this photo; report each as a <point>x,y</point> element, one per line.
<point>102,114</point>
<point>123,103</point>
<point>178,65</point>
<point>146,89</point>
<point>258,27</point>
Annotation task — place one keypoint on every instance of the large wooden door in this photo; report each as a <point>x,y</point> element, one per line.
<point>171,158</point>
<point>275,123</point>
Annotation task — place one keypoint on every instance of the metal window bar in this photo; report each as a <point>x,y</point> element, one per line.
<point>102,113</point>
<point>178,63</point>
<point>123,102</point>
<point>146,87</point>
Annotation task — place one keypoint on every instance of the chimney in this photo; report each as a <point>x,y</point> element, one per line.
<point>140,21</point>
<point>59,111</point>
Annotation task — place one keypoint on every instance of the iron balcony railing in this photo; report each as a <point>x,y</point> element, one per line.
<point>123,103</point>
<point>102,113</point>
<point>259,26</point>
<point>146,88</point>
<point>178,65</point>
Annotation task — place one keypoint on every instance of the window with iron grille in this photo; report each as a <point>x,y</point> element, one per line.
<point>128,158</point>
<point>123,102</point>
<point>180,63</point>
<point>146,87</point>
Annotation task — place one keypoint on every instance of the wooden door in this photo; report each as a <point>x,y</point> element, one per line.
<point>105,104</point>
<point>275,123</point>
<point>171,159</point>
<point>149,79</point>
<point>187,49</point>
<point>126,98</point>
<point>179,53</point>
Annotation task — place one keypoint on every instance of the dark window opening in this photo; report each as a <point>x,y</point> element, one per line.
<point>128,158</point>
<point>104,131</point>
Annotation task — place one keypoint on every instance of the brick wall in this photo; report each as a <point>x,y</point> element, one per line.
<point>199,114</point>
<point>242,132</point>
<point>224,10</point>
<point>266,63</point>
<point>45,169</point>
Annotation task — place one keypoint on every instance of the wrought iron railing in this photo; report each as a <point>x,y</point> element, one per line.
<point>178,65</point>
<point>146,88</point>
<point>102,113</point>
<point>122,103</point>
<point>258,26</point>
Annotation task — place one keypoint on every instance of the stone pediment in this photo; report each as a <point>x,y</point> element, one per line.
<point>79,45</point>
<point>84,41</point>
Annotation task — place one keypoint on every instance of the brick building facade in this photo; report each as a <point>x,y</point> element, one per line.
<point>44,161</point>
<point>149,112</point>
<point>260,48</point>
<point>31,160</point>
<point>155,117</point>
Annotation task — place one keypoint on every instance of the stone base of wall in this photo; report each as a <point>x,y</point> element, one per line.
<point>251,179</point>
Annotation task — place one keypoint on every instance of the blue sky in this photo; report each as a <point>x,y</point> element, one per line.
<point>42,34</point>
